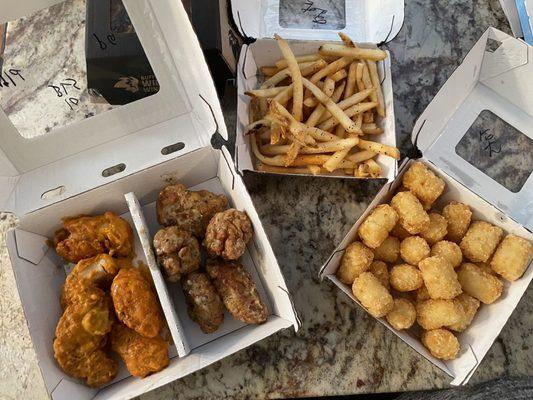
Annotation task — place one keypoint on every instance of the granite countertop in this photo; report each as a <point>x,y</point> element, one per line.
<point>340,349</point>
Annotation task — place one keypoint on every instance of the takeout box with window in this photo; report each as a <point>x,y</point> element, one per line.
<point>306,25</point>
<point>476,135</point>
<point>119,160</point>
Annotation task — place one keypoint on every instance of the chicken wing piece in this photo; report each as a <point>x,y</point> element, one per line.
<point>204,304</point>
<point>238,291</point>
<point>81,335</point>
<point>85,237</point>
<point>188,210</point>
<point>136,304</point>
<point>142,356</point>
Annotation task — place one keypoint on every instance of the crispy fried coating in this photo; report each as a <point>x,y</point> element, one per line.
<point>81,335</point>
<point>399,232</point>
<point>423,183</point>
<point>402,315</point>
<point>227,234</point>
<point>512,257</point>
<point>414,249</point>
<point>372,294</point>
<point>440,278</point>
<point>356,260</point>
<point>389,250</point>
<point>480,284</point>
<point>142,355</point>
<point>422,293</point>
<point>441,343</point>
<point>480,241</point>
<point>458,216</point>
<point>189,210</point>
<point>238,291</point>
<point>85,237</point>
<point>380,271</point>
<point>136,304</point>
<point>448,250</point>
<point>178,252</point>
<point>204,304</point>
<point>377,225</point>
<point>434,314</point>
<point>437,230</point>
<point>405,278</point>
<point>412,216</point>
<point>470,306</point>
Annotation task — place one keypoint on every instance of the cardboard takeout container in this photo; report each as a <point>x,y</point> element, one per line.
<point>368,22</point>
<point>490,89</point>
<point>119,161</point>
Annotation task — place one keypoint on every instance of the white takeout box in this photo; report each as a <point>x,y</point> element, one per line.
<point>119,161</point>
<point>368,22</point>
<point>495,76</point>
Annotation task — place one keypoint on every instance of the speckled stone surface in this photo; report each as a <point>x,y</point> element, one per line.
<point>339,349</point>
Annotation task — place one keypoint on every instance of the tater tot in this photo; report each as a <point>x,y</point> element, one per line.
<point>380,271</point>
<point>414,249</point>
<point>480,241</point>
<point>485,287</point>
<point>458,216</point>
<point>438,228</point>
<point>470,306</point>
<point>441,343</point>
<point>372,294</point>
<point>440,278</point>
<point>448,250</point>
<point>356,260</point>
<point>389,250</point>
<point>512,257</point>
<point>402,315</point>
<point>399,232</point>
<point>424,184</point>
<point>405,277</point>
<point>412,215</point>
<point>376,227</point>
<point>433,314</point>
<point>422,293</point>
<point>485,267</point>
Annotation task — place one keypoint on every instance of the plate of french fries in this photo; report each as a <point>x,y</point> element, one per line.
<point>320,113</point>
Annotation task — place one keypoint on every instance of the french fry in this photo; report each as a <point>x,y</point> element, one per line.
<point>318,159</point>
<point>278,113</point>
<point>285,96</point>
<point>349,112</point>
<point>305,69</point>
<point>280,64</point>
<point>319,148</point>
<point>292,153</point>
<point>373,168</point>
<point>367,130</point>
<point>269,71</point>
<point>359,121</point>
<point>320,110</point>
<point>380,148</point>
<point>314,169</point>
<point>275,133</point>
<point>340,131</point>
<point>331,69</point>
<point>337,112</point>
<point>359,77</point>
<point>350,101</point>
<point>346,40</point>
<point>254,113</point>
<point>256,125</point>
<point>368,82</point>
<point>361,156</point>
<point>351,82</point>
<point>352,52</point>
<point>368,117</point>
<point>333,163</point>
<point>270,92</point>
<point>329,87</point>
<point>374,77</point>
<point>294,69</point>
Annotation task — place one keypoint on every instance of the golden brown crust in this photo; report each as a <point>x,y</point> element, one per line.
<point>136,304</point>
<point>143,356</point>
<point>437,230</point>
<point>190,211</point>
<point>423,183</point>
<point>85,237</point>
<point>412,216</point>
<point>458,216</point>
<point>356,260</point>
<point>377,225</point>
<point>238,291</point>
<point>440,278</point>
<point>204,304</point>
<point>227,234</point>
<point>178,252</point>
<point>512,257</point>
<point>402,315</point>
<point>480,241</point>
<point>441,343</point>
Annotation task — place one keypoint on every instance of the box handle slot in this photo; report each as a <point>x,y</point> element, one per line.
<point>172,148</point>
<point>106,173</point>
<point>50,194</point>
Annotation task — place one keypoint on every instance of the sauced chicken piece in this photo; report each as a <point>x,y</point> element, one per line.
<point>136,304</point>
<point>227,234</point>
<point>142,356</point>
<point>85,237</point>
<point>188,210</point>
<point>238,291</point>
<point>204,304</point>
<point>178,252</point>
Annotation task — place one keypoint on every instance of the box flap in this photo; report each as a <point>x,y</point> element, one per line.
<point>180,118</point>
<point>478,128</point>
<point>372,21</point>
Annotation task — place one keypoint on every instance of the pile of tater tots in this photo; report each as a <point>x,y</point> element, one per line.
<point>415,265</point>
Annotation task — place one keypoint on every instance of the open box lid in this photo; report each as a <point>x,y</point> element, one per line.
<point>479,127</point>
<point>180,118</point>
<point>371,21</point>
